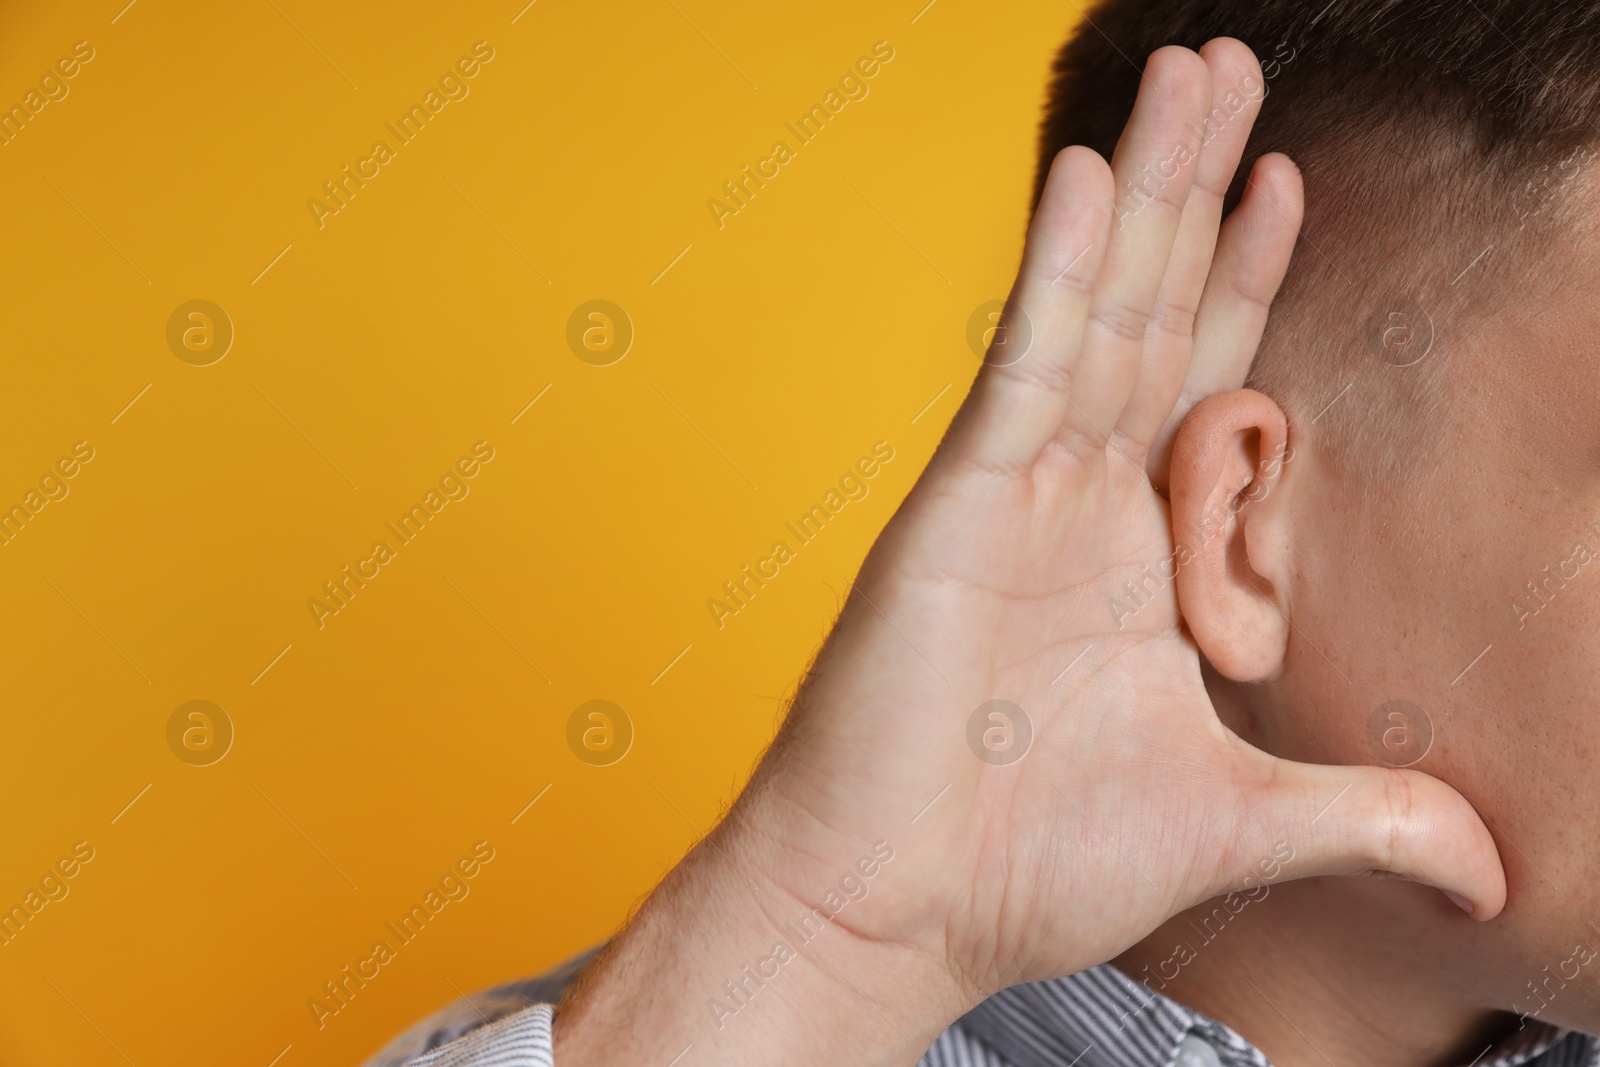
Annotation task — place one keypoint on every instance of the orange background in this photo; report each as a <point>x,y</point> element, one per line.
<point>423,317</point>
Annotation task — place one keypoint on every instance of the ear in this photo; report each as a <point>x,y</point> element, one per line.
<point>1230,523</point>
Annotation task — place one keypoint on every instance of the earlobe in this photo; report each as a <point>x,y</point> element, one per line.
<point>1230,527</point>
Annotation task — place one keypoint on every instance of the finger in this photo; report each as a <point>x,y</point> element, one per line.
<point>1021,393</point>
<point>1067,302</point>
<point>1253,253</point>
<point>1154,166</point>
<point>1351,820</point>
<point>1237,89</point>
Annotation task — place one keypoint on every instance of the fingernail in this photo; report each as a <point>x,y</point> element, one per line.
<point>1460,901</point>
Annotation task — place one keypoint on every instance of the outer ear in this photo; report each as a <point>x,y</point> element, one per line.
<point>1230,524</point>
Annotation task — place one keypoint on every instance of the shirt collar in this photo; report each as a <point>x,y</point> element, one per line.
<point>1102,1018</point>
<point>1531,1041</point>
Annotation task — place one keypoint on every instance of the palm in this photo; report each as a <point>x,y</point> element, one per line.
<point>1004,594</point>
<point>1108,704</point>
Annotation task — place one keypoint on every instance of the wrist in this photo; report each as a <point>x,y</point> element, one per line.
<point>833,909</point>
<point>747,955</point>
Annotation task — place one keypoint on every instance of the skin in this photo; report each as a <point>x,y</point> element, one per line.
<point>1134,801</point>
<point>1401,593</point>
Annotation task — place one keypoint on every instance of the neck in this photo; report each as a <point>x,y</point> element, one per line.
<point>1315,975</point>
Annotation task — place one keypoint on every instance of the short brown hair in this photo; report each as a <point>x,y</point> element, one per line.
<point>1441,143</point>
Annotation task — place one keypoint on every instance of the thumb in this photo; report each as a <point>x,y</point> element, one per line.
<point>1354,820</point>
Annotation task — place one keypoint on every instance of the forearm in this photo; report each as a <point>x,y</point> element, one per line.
<point>717,961</point>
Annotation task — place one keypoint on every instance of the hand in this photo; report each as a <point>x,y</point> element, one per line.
<point>994,582</point>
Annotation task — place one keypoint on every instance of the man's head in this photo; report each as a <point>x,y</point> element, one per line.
<point>1441,144</point>
<point>1428,533</point>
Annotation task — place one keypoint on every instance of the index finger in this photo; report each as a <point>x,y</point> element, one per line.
<point>1087,285</point>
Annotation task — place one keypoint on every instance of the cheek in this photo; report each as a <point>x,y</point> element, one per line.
<point>1507,679</point>
<point>1381,625</point>
<point>1530,732</point>
<point>1531,726</point>
<point>1521,705</point>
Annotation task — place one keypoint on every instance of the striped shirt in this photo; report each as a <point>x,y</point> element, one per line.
<point>1095,1018</point>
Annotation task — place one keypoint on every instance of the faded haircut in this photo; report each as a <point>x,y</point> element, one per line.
<point>1443,147</point>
